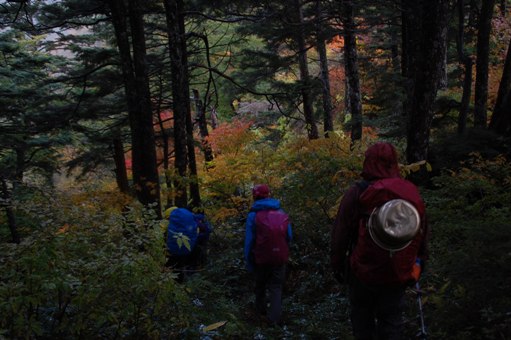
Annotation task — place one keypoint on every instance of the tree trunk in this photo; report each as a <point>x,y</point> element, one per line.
<point>347,108</point>
<point>308,112</point>
<point>465,99</point>
<point>410,40</point>
<point>396,104</point>
<point>145,172</point>
<point>190,141</point>
<point>328,124</point>
<point>350,60</point>
<point>501,118</point>
<point>121,176</point>
<point>180,97</point>
<point>11,218</point>
<point>166,156</point>
<point>427,71</point>
<point>467,62</point>
<point>503,125</point>
<point>443,81</point>
<point>148,189</point>
<point>192,163</point>
<point>214,119</point>
<point>183,125</point>
<point>203,126</point>
<point>394,48</point>
<point>483,51</point>
<point>503,7</point>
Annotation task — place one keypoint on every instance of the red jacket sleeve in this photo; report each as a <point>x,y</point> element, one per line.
<point>345,227</point>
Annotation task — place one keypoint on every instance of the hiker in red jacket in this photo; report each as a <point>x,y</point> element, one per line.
<point>376,267</point>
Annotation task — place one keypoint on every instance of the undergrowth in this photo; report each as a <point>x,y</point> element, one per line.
<point>92,264</point>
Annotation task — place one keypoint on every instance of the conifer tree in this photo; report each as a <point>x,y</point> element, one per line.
<point>352,75</point>
<point>130,37</point>
<point>424,61</point>
<point>483,51</point>
<point>33,116</point>
<point>501,118</point>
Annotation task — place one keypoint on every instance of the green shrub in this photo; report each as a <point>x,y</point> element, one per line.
<point>103,277</point>
<point>470,218</point>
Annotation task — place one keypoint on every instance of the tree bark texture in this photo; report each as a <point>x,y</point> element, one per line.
<point>328,124</point>
<point>203,126</point>
<point>121,176</point>
<point>351,67</point>
<point>9,212</point>
<point>148,190</point>
<point>167,154</point>
<point>501,118</point>
<point>410,41</point>
<point>396,103</point>
<point>183,126</point>
<point>145,172</point>
<point>466,60</point>
<point>192,163</point>
<point>465,99</point>
<point>308,112</point>
<point>179,100</point>
<point>483,52</point>
<point>426,73</point>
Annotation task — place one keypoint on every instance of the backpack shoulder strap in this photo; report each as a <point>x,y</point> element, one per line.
<point>362,185</point>
<point>353,235</point>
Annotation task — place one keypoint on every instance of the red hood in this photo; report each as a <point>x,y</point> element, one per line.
<point>380,162</point>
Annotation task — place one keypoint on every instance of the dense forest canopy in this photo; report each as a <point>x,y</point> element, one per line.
<point>113,111</point>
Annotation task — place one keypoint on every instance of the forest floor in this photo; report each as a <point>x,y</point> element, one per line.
<point>314,305</point>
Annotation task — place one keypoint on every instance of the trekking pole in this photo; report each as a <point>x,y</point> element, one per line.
<point>422,333</point>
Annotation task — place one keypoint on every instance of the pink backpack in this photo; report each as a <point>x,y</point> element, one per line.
<point>271,237</point>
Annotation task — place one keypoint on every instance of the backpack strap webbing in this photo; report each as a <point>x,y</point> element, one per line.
<point>362,186</point>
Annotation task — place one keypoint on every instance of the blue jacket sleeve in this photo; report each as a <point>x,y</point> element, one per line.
<point>249,241</point>
<point>289,233</point>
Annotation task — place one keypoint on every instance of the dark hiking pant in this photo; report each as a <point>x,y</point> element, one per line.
<point>184,265</point>
<point>376,310</point>
<point>269,278</point>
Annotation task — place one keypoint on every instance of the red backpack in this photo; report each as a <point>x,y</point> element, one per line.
<point>271,237</point>
<point>370,262</point>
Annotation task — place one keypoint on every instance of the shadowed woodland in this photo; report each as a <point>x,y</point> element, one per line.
<point>113,111</point>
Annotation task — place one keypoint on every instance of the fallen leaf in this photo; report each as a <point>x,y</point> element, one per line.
<point>214,326</point>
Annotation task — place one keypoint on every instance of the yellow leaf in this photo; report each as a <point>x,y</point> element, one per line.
<point>414,167</point>
<point>214,326</point>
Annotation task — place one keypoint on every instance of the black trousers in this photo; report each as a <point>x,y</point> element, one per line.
<point>269,278</point>
<point>376,310</point>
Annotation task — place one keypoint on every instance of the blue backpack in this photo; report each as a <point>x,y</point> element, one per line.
<point>203,226</point>
<point>181,232</point>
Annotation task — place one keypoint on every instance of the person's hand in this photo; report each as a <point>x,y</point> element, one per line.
<point>416,270</point>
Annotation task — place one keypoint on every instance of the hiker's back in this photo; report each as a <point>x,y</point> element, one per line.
<point>389,260</point>
<point>271,237</point>
<point>181,232</point>
<point>266,250</point>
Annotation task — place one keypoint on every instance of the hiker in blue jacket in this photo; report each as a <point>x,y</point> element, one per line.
<point>267,238</point>
<point>187,238</point>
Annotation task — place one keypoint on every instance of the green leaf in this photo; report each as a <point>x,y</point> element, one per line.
<point>182,239</point>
